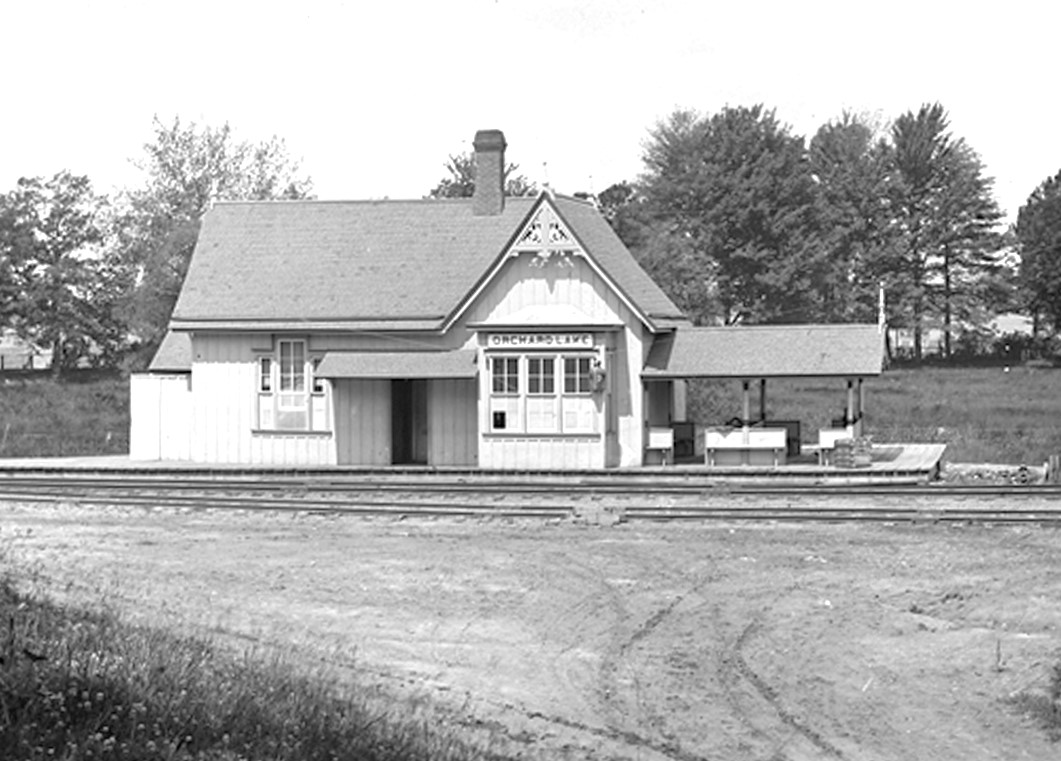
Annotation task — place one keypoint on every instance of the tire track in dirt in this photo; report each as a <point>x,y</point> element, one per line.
<point>734,661</point>
<point>606,605</point>
<point>655,714</point>
<point>620,674</point>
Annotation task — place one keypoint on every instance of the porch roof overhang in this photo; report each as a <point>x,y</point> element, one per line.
<point>767,351</point>
<point>414,365</point>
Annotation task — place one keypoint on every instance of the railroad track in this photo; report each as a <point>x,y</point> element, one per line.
<point>611,499</point>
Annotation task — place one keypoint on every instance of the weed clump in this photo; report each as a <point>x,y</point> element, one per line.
<point>1044,708</point>
<point>84,685</point>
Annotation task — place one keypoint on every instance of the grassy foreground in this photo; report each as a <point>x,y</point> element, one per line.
<point>77,685</point>
<point>982,414</point>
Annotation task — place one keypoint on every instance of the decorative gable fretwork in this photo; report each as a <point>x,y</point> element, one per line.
<point>548,239</point>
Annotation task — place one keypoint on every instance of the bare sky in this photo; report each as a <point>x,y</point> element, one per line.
<point>373,96</point>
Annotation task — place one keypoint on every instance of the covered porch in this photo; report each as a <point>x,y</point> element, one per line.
<point>752,358</point>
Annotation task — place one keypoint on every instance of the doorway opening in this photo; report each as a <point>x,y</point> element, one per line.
<point>409,422</point>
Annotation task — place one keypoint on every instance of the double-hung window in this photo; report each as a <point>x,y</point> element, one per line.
<point>504,394</point>
<point>579,407</point>
<point>542,413</point>
<point>290,396</point>
<point>292,404</point>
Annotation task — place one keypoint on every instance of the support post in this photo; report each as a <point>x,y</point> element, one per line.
<point>861,404</point>
<point>850,402</point>
<point>746,417</point>
<point>762,400</point>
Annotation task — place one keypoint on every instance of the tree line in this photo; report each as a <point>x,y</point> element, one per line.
<point>743,221</point>
<point>94,279</point>
<point>737,218</point>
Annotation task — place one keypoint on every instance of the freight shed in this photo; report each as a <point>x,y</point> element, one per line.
<point>491,332</point>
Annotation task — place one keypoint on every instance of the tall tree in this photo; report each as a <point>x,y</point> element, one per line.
<point>1038,233</point>
<point>733,193</point>
<point>624,207</point>
<point>947,217</point>
<point>460,182</point>
<point>188,167</point>
<point>854,169</point>
<point>61,288</point>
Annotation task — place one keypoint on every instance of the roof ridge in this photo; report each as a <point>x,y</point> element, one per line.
<point>352,201</point>
<point>790,326</point>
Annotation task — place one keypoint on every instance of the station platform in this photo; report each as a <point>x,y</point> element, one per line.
<point>888,462</point>
<point>919,462</point>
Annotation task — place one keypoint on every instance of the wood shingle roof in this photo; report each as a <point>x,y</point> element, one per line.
<point>768,351</point>
<point>385,264</point>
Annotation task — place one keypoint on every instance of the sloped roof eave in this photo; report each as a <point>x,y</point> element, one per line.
<point>429,325</point>
<point>610,281</point>
<point>491,271</point>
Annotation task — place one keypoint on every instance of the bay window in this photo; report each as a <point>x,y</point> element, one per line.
<point>543,394</point>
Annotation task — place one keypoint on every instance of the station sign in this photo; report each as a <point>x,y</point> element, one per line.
<point>539,341</point>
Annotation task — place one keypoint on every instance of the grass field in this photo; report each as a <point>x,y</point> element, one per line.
<point>982,414</point>
<point>85,415</point>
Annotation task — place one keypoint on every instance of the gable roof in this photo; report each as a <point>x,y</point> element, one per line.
<point>633,285</point>
<point>369,264</point>
<point>767,351</point>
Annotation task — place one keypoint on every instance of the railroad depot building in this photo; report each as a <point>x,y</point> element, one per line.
<point>491,332</point>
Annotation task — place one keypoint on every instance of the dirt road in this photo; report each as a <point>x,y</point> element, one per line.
<point>636,642</point>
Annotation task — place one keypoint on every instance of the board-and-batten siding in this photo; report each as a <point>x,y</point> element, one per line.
<point>363,421</point>
<point>160,416</point>
<point>452,426</point>
<point>224,415</point>
<point>224,378</point>
<point>546,453</point>
<point>520,289</point>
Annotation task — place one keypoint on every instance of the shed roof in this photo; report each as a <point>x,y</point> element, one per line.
<point>358,262</point>
<point>174,354</point>
<point>767,351</point>
<point>408,365</point>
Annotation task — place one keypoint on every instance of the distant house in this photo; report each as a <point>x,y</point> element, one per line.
<point>902,340</point>
<point>18,354</point>
<point>1011,323</point>
<point>487,332</point>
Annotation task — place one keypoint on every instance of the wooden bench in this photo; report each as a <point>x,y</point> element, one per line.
<point>746,445</point>
<point>661,440</point>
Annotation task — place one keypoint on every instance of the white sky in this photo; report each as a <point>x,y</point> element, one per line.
<point>373,96</point>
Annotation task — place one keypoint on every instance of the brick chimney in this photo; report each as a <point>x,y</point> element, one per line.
<point>489,195</point>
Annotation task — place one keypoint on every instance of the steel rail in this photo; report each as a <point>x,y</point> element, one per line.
<point>572,508</point>
<point>635,484</point>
